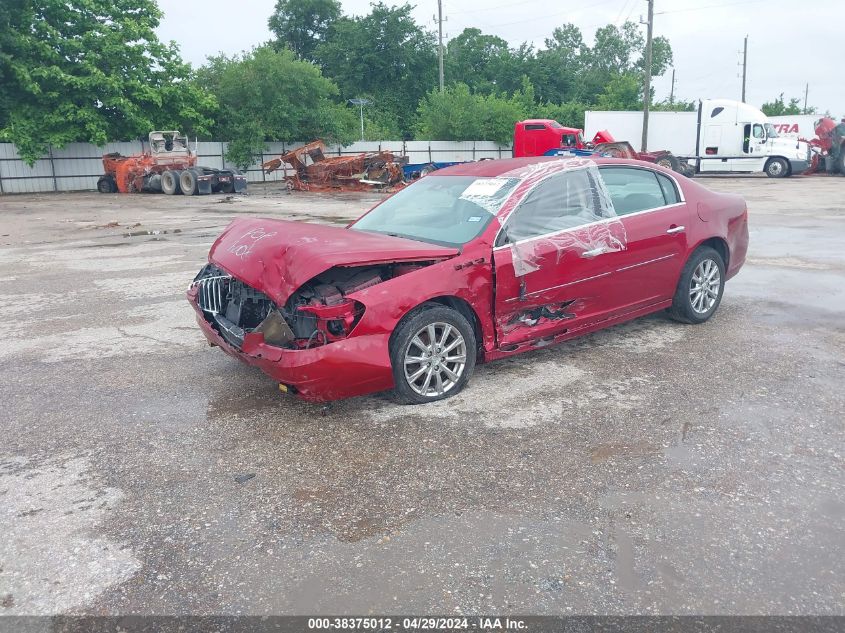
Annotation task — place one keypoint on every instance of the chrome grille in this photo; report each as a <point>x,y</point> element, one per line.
<point>212,292</point>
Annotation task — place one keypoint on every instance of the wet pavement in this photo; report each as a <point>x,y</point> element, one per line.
<point>650,468</point>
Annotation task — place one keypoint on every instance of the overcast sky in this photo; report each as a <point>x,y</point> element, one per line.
<point>790,43</point>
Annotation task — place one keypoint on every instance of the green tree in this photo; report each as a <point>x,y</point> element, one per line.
<point>618,51</point>
<point>301,25</point>
<point>569,114</point>
<point>91,70</point>
<point>673,106</point>
<point>556,69</point>
<point>485,63</point>
<point>385,54</point>
<point>269,95</point>
<point>458,114</point>
<point>779,108</point>
<point>623,92</point>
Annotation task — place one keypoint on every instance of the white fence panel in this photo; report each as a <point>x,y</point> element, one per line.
<point>77,166</point>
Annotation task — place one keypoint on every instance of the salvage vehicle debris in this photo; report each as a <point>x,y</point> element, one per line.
<point>168,166</point>
<point>359,172</point>
<point>547,137</point>
<point>474,262</point>
<point>828,147</point>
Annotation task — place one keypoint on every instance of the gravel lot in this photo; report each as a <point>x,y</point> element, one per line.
<point>650,468</point>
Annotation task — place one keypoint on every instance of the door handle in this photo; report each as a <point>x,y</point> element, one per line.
<point>595,252</point>
<point>676,229</point>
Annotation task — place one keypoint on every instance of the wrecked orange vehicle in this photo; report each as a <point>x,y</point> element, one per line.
<point>312,170</point>
<point>168,166</point>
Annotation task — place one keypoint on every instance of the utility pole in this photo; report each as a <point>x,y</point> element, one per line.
<point>806,92</point>
<point>440,39</point>
<point>744,65</point>
<point>672,89</point>
<point>647,86</point>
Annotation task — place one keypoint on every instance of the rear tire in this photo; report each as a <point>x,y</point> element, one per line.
<point>776,168</point>
<point>426,368</point>
<point>188,182</point>
<point>170,182</point>
<point>700,287</point>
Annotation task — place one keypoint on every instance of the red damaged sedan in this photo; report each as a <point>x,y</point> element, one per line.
<point>472,263</point>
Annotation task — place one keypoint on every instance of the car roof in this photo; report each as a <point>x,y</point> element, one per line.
<point>519,167</point>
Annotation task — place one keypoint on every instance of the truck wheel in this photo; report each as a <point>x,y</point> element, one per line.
<point>839,163</point>
<point>170,182</point>
<point>670,162</point>
<point>188,182</point>
<point>106,184</point>
<point>776,168</point>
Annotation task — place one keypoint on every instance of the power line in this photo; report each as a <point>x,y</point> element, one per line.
<point>550,15</point>
<point>710,6</point>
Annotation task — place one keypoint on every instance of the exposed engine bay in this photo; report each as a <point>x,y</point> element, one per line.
<point>319,312</point>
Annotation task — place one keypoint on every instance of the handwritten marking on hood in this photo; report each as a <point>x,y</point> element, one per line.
<point>245,243</point>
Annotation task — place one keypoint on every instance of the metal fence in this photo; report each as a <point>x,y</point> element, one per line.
<point>77,166</point>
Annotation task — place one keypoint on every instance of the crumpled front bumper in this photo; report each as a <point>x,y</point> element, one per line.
<point>342,369</point>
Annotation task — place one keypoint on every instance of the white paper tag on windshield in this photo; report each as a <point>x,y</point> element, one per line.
<point>484,187</point>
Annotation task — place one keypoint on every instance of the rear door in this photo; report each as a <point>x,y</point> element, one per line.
<point>551,259</point>
<point>656,219</point>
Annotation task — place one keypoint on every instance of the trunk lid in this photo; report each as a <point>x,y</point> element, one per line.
<point>278,256</point>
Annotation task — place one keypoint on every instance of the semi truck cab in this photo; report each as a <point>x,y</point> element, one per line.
<point>538,137</point>
<point>737,137</point>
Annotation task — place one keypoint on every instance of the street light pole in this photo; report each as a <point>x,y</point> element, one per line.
<point>361,103</point>
<point>440,39</point>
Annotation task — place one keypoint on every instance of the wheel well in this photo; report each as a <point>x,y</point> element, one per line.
<point>720,246</point>
<point>459,305</point>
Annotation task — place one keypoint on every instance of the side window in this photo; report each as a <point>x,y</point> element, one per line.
<point>562,201</point>
<point>758,130</point>
<point>670,192</point>
<point>535,126</point>
<point>633,189</point>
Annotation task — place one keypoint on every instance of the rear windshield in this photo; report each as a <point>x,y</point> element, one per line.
<point>446,210</point>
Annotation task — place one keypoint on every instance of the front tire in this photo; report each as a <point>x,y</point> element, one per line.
<point>777,168</point>
<point>432,352</point>
<point>700,287</point>
<point>106,184</point>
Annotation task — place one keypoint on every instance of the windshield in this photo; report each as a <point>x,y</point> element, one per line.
<point>770,131</point>
<point>446,210</point>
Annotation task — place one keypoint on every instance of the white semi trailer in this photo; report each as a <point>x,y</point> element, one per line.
<point>723,136</point>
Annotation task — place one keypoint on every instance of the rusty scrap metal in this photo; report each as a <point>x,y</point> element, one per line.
<point>358,172</point>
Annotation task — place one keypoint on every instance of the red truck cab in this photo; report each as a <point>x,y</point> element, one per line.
<point>535,137</point>
<point>539,137</point>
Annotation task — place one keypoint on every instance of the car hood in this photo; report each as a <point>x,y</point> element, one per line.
<point>278,256</point>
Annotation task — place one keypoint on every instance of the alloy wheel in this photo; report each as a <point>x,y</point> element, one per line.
<point>435,359</point>
<point>704,286</point>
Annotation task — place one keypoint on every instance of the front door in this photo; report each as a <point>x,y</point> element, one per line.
<point>551,259</point>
